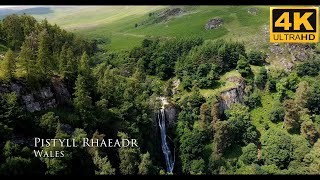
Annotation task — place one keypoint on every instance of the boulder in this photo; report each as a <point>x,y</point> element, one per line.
<point>253,11</point>
<point>214,23</point>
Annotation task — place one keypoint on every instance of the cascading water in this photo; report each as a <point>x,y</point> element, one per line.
<point>165,147</point>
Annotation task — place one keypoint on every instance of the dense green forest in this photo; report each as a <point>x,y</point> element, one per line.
<point>273,128</point>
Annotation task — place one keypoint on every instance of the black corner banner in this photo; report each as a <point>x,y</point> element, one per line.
<point>158,2</point>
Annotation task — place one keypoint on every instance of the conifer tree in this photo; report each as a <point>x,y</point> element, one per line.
<point>129,158</point>
<point>27,58</point>
<point>71,66</point>
<point>84,68</point>
<point>82,101</point>
<point>63,61</point>
<point>146,167</point>
<point>103,165</point>
<point>243,66</point>
<point>44,62</point>
<point>9,65</point>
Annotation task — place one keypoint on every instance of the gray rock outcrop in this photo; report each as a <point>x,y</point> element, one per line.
<point>43,98</point>
<point>214,23</point>
<point>253,11</point>
<point>233,95</point>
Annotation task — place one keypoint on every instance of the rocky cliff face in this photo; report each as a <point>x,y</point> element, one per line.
<point>170,111</point>
<point>40,99</point>
<point>171,115</point>
<point>233,95</point>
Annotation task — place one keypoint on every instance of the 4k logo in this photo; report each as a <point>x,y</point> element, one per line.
<point>294,24</point>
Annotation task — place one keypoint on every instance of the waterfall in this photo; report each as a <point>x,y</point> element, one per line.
<point>165,147</point>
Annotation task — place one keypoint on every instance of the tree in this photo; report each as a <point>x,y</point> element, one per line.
<point>312,159</point>
<point>68,64</point>
<point>300,147</point>
<point>186,82</point>
<point>146,42</point>
<point>191,147</point>
<point>221,137</point>
<point>276,148</point>
<point>282,88</point>
<point>16,166</point>
<point>256,57</point>
<point>243,67</point>
<point>11,149</point>
<point>9,66</point>
<point>28,59</point>
<point>63,61</point>
<point>103,165</point>
<point>49,122</point>
<point>96,136</point>
<point>82,160</point>
<point>310,67</point>
<point>249,154</point>
<point>203,70</point>
<point>313,100</point>
<point>146,167</point>
<point>253,169</point>
<point>193,101</point>
<point>201,75</point>
<point>253,100</point>
<point>309,130</point>
<point>262,78</point>
<point>5,132</point>
<point>2,35</point>
<point>61,165</point>
<point>302,94</point>
<point>197,167</point>
<point>292,81</point>
<point>28,24</point>
<point>82,101</point>
<point>11,113</point>
<point>13,31</point>
<point>44,62</point>
<point>291,117</point>
<point>72,66</point>
<point>129,158</point>
<point>239,124</point>
<point>84,67</point>
<point>270,169</point>
<point>277,112</point>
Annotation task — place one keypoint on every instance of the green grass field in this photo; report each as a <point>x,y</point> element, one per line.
<point>118,23</point>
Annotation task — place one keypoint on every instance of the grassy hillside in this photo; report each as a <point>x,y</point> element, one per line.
<point>117,23</point>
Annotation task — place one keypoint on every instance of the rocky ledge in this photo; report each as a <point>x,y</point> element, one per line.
<point>43,98</point>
